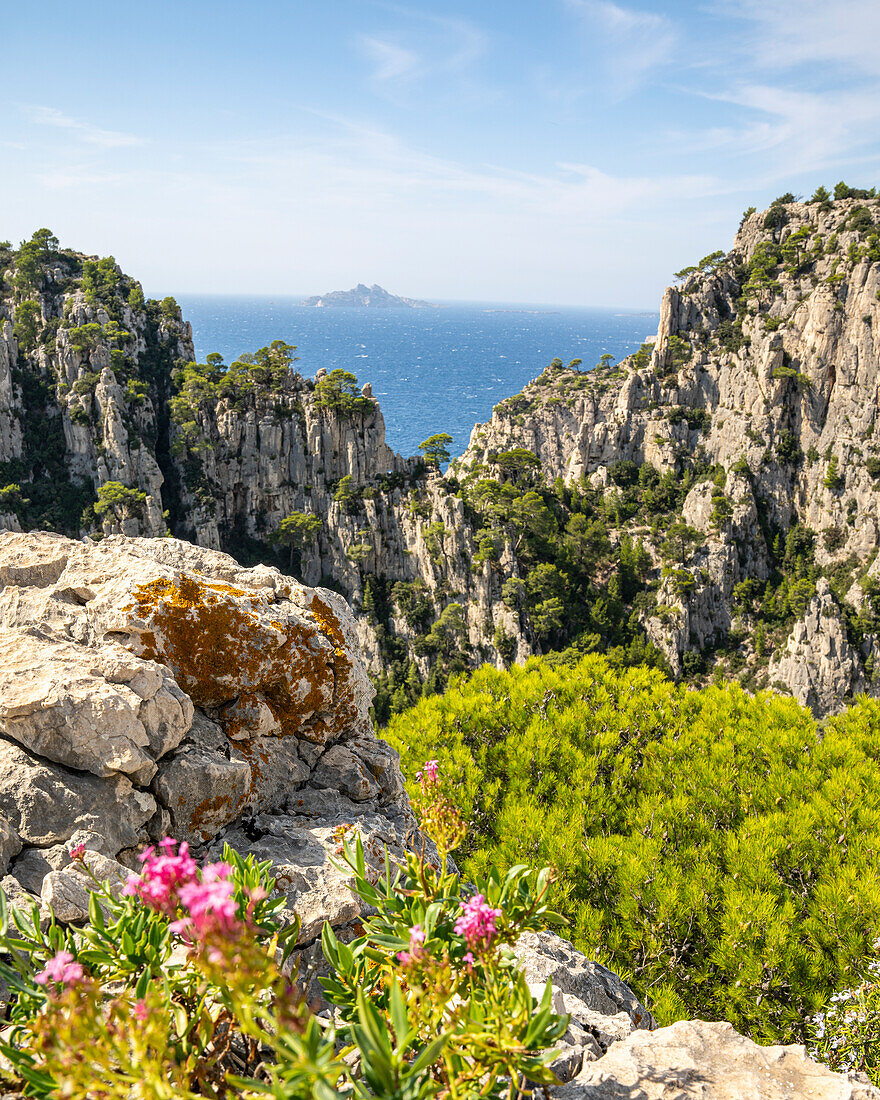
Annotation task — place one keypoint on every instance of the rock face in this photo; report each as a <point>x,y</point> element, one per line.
<point>694,1059</point>
<point>765,371</point>
<point>762,381</point>
<point>151,686</point>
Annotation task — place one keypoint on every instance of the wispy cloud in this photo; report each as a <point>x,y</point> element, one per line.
<point>391,62</point>
<point>85,131</point>
<point>844,33</point>
<point>423,46</point>
<point>807,131</point>
<point>641,41</point>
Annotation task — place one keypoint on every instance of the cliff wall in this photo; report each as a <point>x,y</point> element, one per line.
<point>753,412</point>
<point>764,378</point>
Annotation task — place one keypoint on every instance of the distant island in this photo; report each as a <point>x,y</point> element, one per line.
<point>373,296</point>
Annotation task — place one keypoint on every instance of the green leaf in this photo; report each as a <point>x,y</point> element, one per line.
<point>399,1017</point>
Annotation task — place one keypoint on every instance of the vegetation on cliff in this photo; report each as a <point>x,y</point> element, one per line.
<point>718,850</point>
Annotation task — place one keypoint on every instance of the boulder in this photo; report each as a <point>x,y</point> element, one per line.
<point>203,789</point>
<point>545,956</point>
<point>46,803</point>
<point>149,685</point>
<point>699,1060</point>
<point>66,892</point>
<point>100,709</point>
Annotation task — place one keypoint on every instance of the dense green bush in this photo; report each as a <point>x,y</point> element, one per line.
<point>716,849</point>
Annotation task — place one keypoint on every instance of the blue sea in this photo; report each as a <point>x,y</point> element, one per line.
<point>433,370</point>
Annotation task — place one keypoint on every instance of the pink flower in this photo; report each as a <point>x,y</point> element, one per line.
<point>469,960</point>
<point>416,950</point>
<point>430,774</point>
<point>77,851</point>
<point>163,876</point>
<point>171,881</point>
<point>477,922</point>
<point>61,968</point>
<point>210,905</point>
<point>140,1010</point>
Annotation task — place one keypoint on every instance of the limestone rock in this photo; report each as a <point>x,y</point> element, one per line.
<point>10,844</point>
<point>46,803</point>
<point>819,666</point>
<point>303,852</point>
<point>149,685</point>
<point>695,1059</point>
<point>545,956</point>
<point>203,790</point>
<point>341,769</point>
<point>66,892</point>
<point>99,710</point>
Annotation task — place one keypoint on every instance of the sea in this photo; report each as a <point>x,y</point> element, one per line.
<point>433,370</point>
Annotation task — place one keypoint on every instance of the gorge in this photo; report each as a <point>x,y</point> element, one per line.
<point>708,504</point>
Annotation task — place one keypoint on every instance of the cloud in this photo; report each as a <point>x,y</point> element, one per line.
<point>85,131</point>
<point>842,33</point>
<point>423,47</point>
<point>800,131</point>
<point>391,62</point>
<point>641,41</point>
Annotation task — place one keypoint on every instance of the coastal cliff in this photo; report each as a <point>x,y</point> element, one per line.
<point>708,505</point>
<point>763,379</point>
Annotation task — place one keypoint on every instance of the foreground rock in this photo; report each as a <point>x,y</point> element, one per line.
<point>148,686</point>
<point>695,1059</point>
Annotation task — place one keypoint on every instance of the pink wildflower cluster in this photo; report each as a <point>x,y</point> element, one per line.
<point>171,881</point>
<point>430,774</point>
<point>78,851</point>
<point>210,905</point>
<point>477,923</point>
<point>164,874</point>
<point>416,950</point>
<point>61,968</point>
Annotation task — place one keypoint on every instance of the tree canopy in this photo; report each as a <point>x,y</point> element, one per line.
<point>711,846</point>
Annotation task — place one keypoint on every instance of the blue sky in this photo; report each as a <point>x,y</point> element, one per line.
<point>566,151</point>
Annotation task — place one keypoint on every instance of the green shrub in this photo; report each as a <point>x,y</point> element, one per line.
<point>337,391</point>
<point>712,848</point>
<point>115,497</point>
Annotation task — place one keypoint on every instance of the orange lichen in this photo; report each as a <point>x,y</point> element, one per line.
<point>220,647</point>
<point>212,813</point>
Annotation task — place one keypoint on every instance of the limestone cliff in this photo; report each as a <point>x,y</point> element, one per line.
<point>746,428</point>
<point>763,381</point>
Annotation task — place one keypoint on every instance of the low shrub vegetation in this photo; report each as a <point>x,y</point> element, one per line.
<point>716,849</point>
<point>181,987</point>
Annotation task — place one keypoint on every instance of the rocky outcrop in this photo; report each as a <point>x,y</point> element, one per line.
<point>151,686</point>
<point>765,370</point>
<point>819,666</point>
<point>695,1059</point>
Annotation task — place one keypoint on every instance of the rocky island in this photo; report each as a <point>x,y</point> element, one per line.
<point>372,297</point>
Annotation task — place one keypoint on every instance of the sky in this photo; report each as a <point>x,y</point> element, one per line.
<point>559,151</point>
